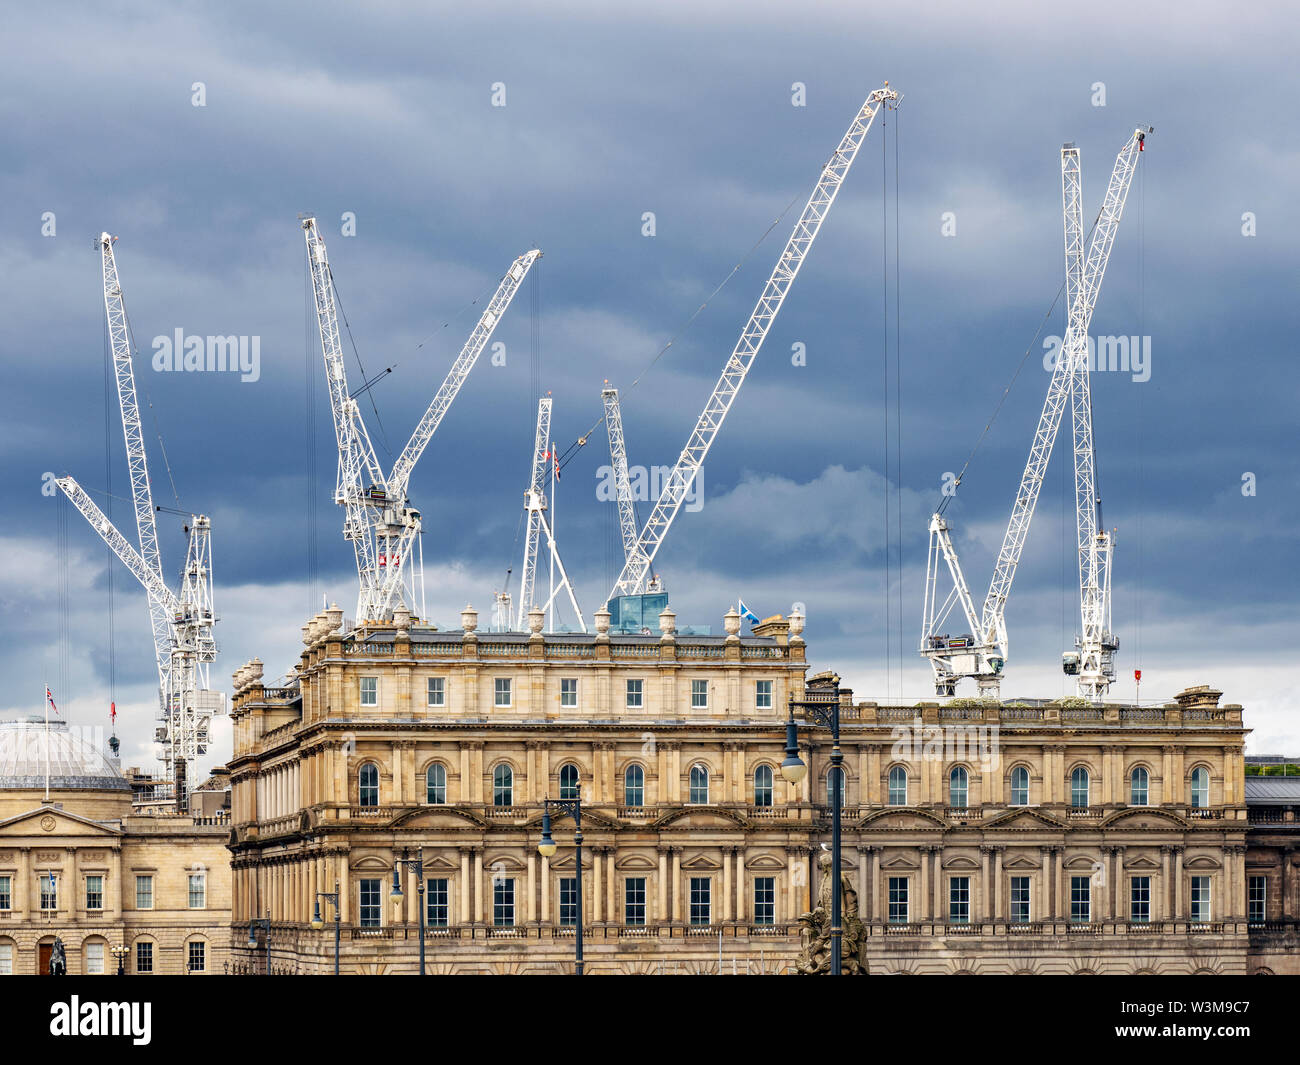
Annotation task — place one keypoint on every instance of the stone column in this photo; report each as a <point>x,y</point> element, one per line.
<point>611,888</point>
<point>864,883</point>
<point>1058,876</point>
<point>661,893</point>
<point>925,884</point>
<point>478,885</point>
<point>531,909</point>
<point>1045,884</point>
<point>677,884</point>
<point>940,910</point>
<point>597,895</point>
<point>726,884</point>
<point>463,917</point>
<point>1166,893</point>
<point>741,903</point>
<point>999,910</point>
<point>876,912</point>
<point>1179,909</point>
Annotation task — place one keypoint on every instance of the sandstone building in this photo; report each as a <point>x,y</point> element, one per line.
<point>981,838</point>
<point>84,867</point>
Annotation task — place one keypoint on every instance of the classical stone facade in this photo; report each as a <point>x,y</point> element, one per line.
<point>980,838</point>
<point>84,867</point>
<point>1273,879</point>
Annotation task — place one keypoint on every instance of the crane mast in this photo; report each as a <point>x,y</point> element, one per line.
<point>536,505</point>
<point>636,568</point>
<point>982,653</point>
<point>379,521</point>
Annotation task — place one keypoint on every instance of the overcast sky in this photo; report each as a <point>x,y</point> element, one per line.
<point>687,111</point>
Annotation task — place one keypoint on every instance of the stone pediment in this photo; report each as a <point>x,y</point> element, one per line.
<point>900,818</point>
<point>701,861</point>
<point>502,861</point>
<point>1141,817</point>
<point>1079,862</point>
<point>900,862</point>
<point>960,861</point>
<point>1201,862</point>
<point>701,817</point>
<point>436,817</point>
<point>51,821</point>
<point>566,861</point>
<point>635,861</point>
<point>765,861</point>
<point>371,864</point>
<point>1021,861</point>
<point>1143,864</point>
<point>1022,819</point>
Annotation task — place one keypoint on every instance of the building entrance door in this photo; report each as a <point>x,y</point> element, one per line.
<point>43,951</point>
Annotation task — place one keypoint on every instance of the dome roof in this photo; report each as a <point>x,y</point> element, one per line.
<point>75,757</point>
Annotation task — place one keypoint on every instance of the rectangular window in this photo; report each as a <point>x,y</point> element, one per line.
<point>6,959</point>
<point>49,892</point>
<point>898,900</point>
<point>634,900</point>
<point>764,900</point>
<point>501,692</point>
<point>1200,898</point>
<point>700,899</point>
<point>94,893</point>
<point>1258,891</point>
<point>197,959</point>
<point>1081,899</point>
<point>1139,899</point>
<point>144,893</point>
<point>198,891</point>
<point>6,893</point>
<point>763,695</point>
<point>1020,900</point>
<point>437,693</point>
<point>569,900</point>
<point>959,900</point>
<point>95,959</point>
<point>369,691</point>
<point>569,692</point>
<point>437,908</point>
<point>371,898</point>
<point>503,902</point>
<point>144,957</point>
<point>634,695</point>
<point>699,695</point>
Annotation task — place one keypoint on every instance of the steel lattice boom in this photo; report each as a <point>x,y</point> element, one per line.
<point>636,568</point>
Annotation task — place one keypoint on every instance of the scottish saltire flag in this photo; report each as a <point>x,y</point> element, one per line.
<point>50,696</point>
<point>748,614</point>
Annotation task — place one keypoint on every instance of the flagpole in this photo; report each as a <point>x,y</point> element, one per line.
<point>47,742</point>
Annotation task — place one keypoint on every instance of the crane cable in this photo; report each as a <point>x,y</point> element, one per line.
<point>570,452</point>
<point>108,477</point>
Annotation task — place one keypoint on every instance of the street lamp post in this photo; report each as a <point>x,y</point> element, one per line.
<point>546,848</point>
<point>822,707</point>
<point>254,924</point>
<point>120,952</point>
<point>416,865</point>
<point>332,897</point>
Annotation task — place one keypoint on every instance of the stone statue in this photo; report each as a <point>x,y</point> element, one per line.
<point>815,959</point>
<point>58,959</point>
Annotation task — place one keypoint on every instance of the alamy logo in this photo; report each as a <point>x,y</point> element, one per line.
<point>648,484</point>
<point>1130,355</point>
<point>77,1018</point>
<point>213,354</point>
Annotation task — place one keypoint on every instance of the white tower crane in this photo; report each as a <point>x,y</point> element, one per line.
<point>634,577</point>
<point>184,644</point>
<point>379,521</point>
<point>618,464</point>
<point>982,651</point>
<point>536,504</point>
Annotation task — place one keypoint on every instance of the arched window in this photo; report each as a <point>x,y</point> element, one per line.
<point>1139,787</point>
<point>830,791</point>
<point>1200,786</point>
<point>959,787</point>
<point>699,784</point>
<point>503,786</point>
<point>1079,787</point>
<point>568,781</point>
<point>435,783</point>
<point>763,786</point>
<point>898,786</point>
<point>368,785</point>
<point>1020,786</point>
<point>634,786</point>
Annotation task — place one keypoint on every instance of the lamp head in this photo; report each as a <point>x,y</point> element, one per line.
<point>546,848</point>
